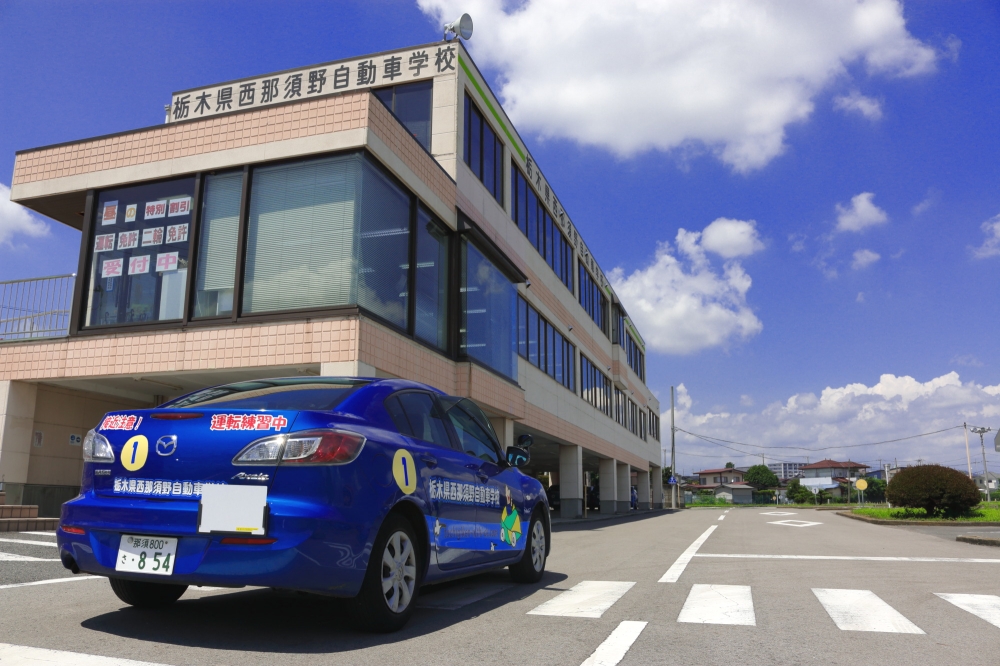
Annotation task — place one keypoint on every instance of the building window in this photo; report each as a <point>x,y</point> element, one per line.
<point>545,347</point>
<point>534,221</point>
<point>431,323</point>
<point>595,387</point>
<point>654,426</point>
<point>487,331</point>
<point>412,104</point>
<point>218,245</point>
<point>593,299</point>
<point>139,253</point>
<point>623,337</point>
<point>325,233</point>
<point>483,150</point>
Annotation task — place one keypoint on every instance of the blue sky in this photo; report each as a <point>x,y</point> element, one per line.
<point>907,115</point>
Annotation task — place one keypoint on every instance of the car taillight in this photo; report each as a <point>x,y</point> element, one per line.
<point>322,447</point>
<point>97,448</point>
<point>265,451</point>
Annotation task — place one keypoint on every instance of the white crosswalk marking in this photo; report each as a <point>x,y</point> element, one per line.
<point>611,651</point>
<point>19,654</point>
<point>53,544</point>
<point>51,534</point>
<point>588,598</point>
<point>677,568</point>
<point>863,610</point>
<point>9,557</point>
<point>984,606</point>
<point>719,604</point>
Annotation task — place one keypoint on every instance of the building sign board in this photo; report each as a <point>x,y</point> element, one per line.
<point>385,69</point>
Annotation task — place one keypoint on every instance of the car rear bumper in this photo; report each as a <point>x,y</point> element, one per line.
<point>316,549</point>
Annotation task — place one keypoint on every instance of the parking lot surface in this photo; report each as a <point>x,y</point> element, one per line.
<point>703,586</point>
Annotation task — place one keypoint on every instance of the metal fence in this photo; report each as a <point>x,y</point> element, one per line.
<point>35,308</point>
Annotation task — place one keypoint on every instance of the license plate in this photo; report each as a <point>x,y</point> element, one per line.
<point>146,554</point>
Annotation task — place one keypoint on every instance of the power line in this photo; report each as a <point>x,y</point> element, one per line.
<point>717,440</point>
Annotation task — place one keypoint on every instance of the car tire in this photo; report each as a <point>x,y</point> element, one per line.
<point>531,567</point>
<point>388,594</point>
<point>146,595</point>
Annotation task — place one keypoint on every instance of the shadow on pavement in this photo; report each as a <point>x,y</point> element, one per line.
<point>264,620</point>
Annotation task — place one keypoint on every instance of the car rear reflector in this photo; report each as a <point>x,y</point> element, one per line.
<point>71,530</point>
<point>175,416</point>
<point>247,541</point>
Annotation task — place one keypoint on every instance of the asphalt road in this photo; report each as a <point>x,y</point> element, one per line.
<point>728,604</point>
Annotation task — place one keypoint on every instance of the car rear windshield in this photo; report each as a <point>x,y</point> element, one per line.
<point>277,394</point>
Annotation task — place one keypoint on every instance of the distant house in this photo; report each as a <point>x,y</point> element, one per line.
<point>785,470</point>
<point>710,478</point>
<point>829,484</point>
<point>994,482</point>
<point>834,469</point>
<point>737,493</point>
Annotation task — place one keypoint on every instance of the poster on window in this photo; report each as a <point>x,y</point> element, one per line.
<point>111,268</point>
<point>155,210</point>
<point>128,240</point>
<point>130,212</point>
<point>152,236</point>
<point>104,243</point>
<point>110,213</point>
<point>166,262</point>
<point>177,233</point>
<point>178,207</point>
<point>138,265</point>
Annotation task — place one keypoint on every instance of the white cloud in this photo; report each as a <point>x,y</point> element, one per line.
<point>968,360</point>
<point>731,238</point>
<point>855,102</point>
<point>681,303</point>
<point>746,400</point>
<point>861,214</point>
<point>633,75</point>
<point>17,220</point>
<point>990,246</point>
<point>860,298</point>
<point>798,242</point>
<point>864,259</point>
<point>933,195</point>
<point>894,407</point>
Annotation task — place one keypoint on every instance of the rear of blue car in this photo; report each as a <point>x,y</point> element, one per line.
<point>145,472</point>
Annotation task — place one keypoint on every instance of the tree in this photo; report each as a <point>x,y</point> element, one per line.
<point>933,488</point>
<point>665,474</point>
<point>730,465</point>
<point>760,477</point>
<point>798,493</point>
<point>876,490</point>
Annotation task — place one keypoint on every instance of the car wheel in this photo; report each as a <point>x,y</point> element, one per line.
<point>389,592</point>
<point>146,595</point>
<point>531,566</point>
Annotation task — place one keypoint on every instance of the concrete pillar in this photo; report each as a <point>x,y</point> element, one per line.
<point>571,481</point>
<point>553,478</point>
<point>624,487</point>
<point>609,486</point>
<point>346,369</point>
<point>642,485</point>
<point>505,430</point>
<point>17,419</point>
<point>656,479</point>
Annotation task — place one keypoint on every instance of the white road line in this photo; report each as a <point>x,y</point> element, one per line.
<point>614,647</point>
<point>51,534</point>
<point>49,581</point>
<point>746,556</point>
<point>719,604</point>
<point>983,606</point>
<point>677,568</point>
<point>19,655</point>
<point>863,610</point>
<point>31,543</point>
<point>722,517</point>
<point>588,598</point>
<point>10,557</point>
<point>460,595</point>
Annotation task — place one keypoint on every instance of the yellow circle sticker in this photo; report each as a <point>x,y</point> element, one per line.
<point>861,484</point>
<point>134,453</point>
<point>404,471</point>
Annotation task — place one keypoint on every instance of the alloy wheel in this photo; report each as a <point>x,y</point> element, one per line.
<point>399,572</point>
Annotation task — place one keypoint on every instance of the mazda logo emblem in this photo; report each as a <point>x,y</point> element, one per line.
<point>166,445</point>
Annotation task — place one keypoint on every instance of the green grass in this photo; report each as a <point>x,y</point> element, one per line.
<point>980,514</point>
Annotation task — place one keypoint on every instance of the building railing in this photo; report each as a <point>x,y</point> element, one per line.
<point>36,308</point>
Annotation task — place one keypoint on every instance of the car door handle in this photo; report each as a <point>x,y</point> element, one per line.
<point>429,460</point>
<point>484,477</point>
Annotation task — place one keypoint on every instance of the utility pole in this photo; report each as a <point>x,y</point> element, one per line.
<point>986,471</point>
<point>673,453</point>
<point>968,460</point>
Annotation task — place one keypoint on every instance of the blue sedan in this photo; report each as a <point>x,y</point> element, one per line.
<point>356,488</point>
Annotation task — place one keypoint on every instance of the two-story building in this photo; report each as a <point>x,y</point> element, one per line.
<point>374,216</point>
<point>834,469</point>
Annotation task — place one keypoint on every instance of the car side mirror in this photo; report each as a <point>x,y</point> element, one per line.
<point>516,456</point>
<point>525,441</point>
